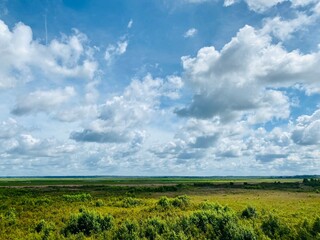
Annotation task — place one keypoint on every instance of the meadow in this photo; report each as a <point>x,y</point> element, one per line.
<point>159,208</point>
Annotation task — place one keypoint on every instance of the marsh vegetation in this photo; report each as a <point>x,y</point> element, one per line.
<point>194,209</point>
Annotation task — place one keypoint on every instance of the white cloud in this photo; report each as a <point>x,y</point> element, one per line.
<point>22,55</point>
<point>249,63</point>
<point>283,29</point>
<point>130,23</point>
<point>43,101</point>
<point>190,33</point>
<point>113,51</point>
<point>228,3</point>
<point>124,118</point>
<point>307,130</point>
<point>261,6</point>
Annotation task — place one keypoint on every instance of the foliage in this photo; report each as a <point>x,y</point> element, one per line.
<point>100,203</point>
<point>88,222</point>
<point>311,182</point>
<point>178,202</point>
<point>249,212</point>
<point>82,197</point>
<point>213,211</point>
<point>274,228</point>
<point>130,202</point>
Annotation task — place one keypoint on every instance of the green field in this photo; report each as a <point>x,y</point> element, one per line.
<point>159,208</point>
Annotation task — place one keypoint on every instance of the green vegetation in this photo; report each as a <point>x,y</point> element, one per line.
<point>190,210</point>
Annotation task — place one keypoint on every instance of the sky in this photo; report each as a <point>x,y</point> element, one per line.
<point>159,88</point>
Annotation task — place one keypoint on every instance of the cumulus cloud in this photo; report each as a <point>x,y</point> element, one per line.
<point>283,29</point>
<point>22,55</point>
<point>124,117</point>
<point>244,76</point>
<point>190,33</point>
<point>24,144</point>
<point>307,130</point>
<point>42,101</point>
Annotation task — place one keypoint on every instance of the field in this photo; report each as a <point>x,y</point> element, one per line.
<point>159,208</point>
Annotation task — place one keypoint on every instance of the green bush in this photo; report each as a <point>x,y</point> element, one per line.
<point>87,223</point>
<point>181,201</point>
<point>44,228</point>
<point>129,230</point>
<point>10,216</point>
<point>130,202</point>
<point>99,203</point>
<point>316,227</point>
<point>81,197</point>
<point>249,212</point>
<point>164,202</point>
<point>154,228</point>
<point>274,229</point>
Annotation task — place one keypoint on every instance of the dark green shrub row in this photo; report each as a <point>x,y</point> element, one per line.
<point>212,222</point>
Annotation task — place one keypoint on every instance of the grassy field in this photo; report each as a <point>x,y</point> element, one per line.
<point>159,208</point>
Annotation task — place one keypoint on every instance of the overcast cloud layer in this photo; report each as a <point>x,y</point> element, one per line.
<point>232,90</point>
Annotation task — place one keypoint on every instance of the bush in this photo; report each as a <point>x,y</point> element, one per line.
<point>274,229</point>
<point>154,228</point>
<point>99,203</point>
<point>212,224</point>
<point>211,206</point>
<point>82,197</point>
<point>130,202</point>
<point>316,227</point>
<point>45,228</point>
<point>87,223</point>
<point>129,230</point>
<point>10,216</point>
<point>249,212</point>
<point>181,201</point>
<point>164,202</point>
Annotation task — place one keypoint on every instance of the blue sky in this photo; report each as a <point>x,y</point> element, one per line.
<point>165,87</point>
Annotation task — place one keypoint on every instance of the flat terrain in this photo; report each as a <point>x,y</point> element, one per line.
<point>159,208</point>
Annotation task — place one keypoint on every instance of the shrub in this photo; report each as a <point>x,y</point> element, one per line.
<point>274,229</point>
<point>129,230</point>
<point>181,201</point>
<point>88,223</point>
<point>10,216</point>
<point>316,227</point>
<point>45,228</point>
<point>249,212</point>
<point>154,228</point>
<point>99,203</point>
<point>164,202</point>
<point>130,202</point>
<point>304,231</point>
<point>211,206</point>
<point>82,197</point>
